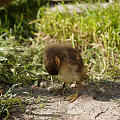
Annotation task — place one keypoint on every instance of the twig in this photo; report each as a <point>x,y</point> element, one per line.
<point>101,113</point>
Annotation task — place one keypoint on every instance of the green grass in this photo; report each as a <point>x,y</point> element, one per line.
<point>18,57</point>
<point>8,101</point>
<point>96,33</point>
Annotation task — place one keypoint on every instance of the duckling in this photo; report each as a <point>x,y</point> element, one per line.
<point>67,63</point>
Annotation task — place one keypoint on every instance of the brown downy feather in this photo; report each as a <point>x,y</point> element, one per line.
<point>61,58</point>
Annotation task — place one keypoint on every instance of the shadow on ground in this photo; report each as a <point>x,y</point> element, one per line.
<point>97,100</point>
<point>101,91</point>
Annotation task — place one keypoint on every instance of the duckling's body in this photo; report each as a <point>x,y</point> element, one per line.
<point>66,62</point>
<point>68,73</point>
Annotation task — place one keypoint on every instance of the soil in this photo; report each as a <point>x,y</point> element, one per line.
<point>79,8</point>
<point>100,101</point>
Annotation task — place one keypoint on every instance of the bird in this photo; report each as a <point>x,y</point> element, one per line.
<point>65,61</point>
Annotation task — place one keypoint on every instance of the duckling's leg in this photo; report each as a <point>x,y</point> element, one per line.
<point>73,97</point>
<point>63,89</point>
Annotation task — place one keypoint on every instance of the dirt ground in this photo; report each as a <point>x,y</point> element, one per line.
<point>94,103</point>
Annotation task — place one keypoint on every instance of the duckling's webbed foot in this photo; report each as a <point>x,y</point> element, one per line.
<point>73,97</point>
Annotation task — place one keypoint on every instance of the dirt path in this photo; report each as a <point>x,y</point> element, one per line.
<point>93,104</point>
<point>79,8</point>
<point>81,109</point>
